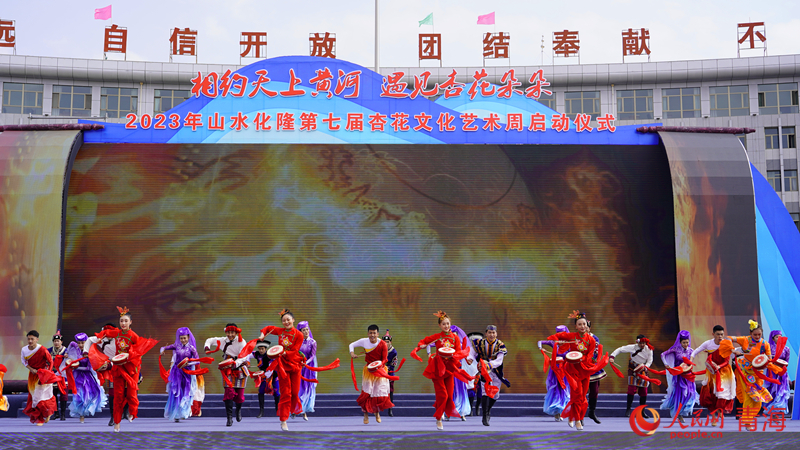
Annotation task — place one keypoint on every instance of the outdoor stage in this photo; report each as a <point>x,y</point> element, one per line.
<point>393,432</point>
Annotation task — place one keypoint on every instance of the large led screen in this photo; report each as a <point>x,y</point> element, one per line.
<point>345,236</point>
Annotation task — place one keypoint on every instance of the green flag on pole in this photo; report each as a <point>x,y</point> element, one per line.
<point>427,21</point>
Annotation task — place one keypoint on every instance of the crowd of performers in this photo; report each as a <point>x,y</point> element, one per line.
<point>736,369</point>
<point>104,370</point>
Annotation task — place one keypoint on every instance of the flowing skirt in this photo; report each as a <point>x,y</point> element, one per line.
<point>179,394</point>
<point>779,392</point>
<point>89,397</point>
<point>680,393</point>
<point>556,398</point>
<point>308,391</point>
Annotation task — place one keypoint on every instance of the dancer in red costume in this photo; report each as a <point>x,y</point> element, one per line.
<point>41,402</point>
<point>125,373</point>
<point>288,365</point>
<point>374,396</point>
<point>441,368</point>
<point>579,372</point>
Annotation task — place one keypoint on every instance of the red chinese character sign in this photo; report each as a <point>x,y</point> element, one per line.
<point>430,46</point>
<point>322,45</point>
<point>8,34</point>
<point>253,44</point>
<point>116,40</point>
<point>566,44</point>
<point>307,100</point>
<point>496,45</point>
<point>183,42</point>
<point>635,43</point>
<point>752,36</point>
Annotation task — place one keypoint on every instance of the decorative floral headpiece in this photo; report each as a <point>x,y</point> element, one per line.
<point>575,314</point>
<point>753,324</point>
<point>440,314</point>
<point>122,311</point>
<point>284,311</point>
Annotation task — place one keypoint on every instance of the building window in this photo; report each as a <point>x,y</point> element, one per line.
<point>796,219</point>
<point>729,101</point>
<point>118,102</point>
<point>72,101</point>
<point>771,138</point>
<point>743,139</point>
<point>774,178</point>
<point>167,99</point>
<point>21,98</point>
<point>582,103</point>
<point>636,104</point>
<point>548,100</point>
<point>777,98</point>
<point>788,137</point>
<point>790,180</point>
<point>681,103</point>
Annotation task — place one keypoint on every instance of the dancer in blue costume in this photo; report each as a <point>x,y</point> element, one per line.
<point>557,396</point>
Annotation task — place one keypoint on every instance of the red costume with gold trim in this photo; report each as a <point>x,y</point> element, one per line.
<point>441,370</point>
<point>291,364</point>
<point>578,374</point>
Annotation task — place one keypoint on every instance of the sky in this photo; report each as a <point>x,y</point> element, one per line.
<point>679,30</point>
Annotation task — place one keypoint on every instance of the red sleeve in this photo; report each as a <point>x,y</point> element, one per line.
<point>270,329</point>
<point>562,336</point>
<point>384,352</point>
<point>428,339</point>
<point>298,342</point>
<point>134,338</point>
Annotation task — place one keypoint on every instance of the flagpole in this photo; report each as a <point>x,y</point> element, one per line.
<point>377,61</point>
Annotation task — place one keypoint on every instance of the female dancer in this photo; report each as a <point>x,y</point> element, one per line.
<point>779,392</point>
<point>308,389</point>
<point>750,389</point>
<point>126,373</point>
<point>180,385</point>
<point>88,397</point>
<point>578,374</point>
<point>441,369</point>
<point>681,391</point>
<point>594,380</point>
<point>556,383</point>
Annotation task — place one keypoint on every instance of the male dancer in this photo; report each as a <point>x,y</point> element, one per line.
<point>234,378</point>
<point>262,362</point>
<point>475,393</point>
<point>641,357</point>
<point>391,365</point>
<point>108,347</point>
<point>41,403</point>
<point>491,350</point>
<point>375,389</point>
<point>59,350</point>
<point>719,386</point>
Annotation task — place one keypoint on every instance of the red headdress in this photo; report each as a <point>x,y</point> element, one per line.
<point>236,329</point>
<point>122,311</point>
<point>440,314</point>
<point>646,341</point>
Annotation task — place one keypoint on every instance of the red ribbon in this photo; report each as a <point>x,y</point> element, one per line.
<point>546,360</point>
<point>201,371</point>
<point>491,390</point>
<point>330,366</point>
<point>219,347</point>
<point>400,366</point>
<point>617,371</point>
<point>780,344</point>
<point>162,371</point>
<point>415,355</point>
<point>353,372</point>
<point>248,349</point>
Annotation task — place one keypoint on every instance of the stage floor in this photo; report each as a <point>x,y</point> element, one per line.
<point>394,432</point>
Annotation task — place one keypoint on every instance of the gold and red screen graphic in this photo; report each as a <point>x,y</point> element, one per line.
<point>350,235</point>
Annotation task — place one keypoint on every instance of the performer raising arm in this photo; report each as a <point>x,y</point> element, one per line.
<point>374,396</point>
<point>719,386</point>
<point>233,368</point>
<point>443,366</point>
<point>641,359</point>
<point>492,351</point>
<point>779,392</point>
<point>556,382</point>
<point>88,397</point>
<point>681,392</point>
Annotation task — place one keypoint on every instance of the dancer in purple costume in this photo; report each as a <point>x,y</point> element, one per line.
<point>557,397</point>
<point>681,391</point>
<point>181,385</point>
<point>779,392</point>
<point>88,397</point>
<point>308,390</point>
